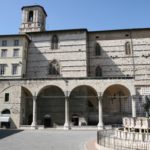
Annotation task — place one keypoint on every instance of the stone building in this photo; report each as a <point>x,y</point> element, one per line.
<point>71,77</point>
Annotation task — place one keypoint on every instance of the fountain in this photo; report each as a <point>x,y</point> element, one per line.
<point>136,129</point>
<point>133,135</point>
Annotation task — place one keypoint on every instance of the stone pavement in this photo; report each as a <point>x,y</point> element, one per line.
<point>92,145</point>
<point>46,140</point>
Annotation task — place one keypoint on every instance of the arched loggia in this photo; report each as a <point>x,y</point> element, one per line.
<point>83,106</point>
<point>26,114</point>
<point>50,106</point>
<point>116,104</point>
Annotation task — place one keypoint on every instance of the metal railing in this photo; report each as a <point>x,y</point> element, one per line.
<point>108,139</point>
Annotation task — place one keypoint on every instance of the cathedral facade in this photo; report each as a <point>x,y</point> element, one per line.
<point>71,77</point>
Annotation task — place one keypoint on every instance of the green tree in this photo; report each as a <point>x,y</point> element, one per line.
<point>146,105</point>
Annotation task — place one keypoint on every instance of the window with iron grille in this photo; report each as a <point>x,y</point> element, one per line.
<point>14,69</point>
<point>2,69</point>
<point>16,53</point>
<point>16,42</point>
<point>4,53</point>
<point>4,43</point>
<point>6,97</point>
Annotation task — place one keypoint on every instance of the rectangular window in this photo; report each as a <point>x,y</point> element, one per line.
<point>6,97</point>
<point>4,43</point>
<point>2,69</point>
<point>16,42</point>
<point>16,53</point>
<point>14,69</point>
<point>4,53</point>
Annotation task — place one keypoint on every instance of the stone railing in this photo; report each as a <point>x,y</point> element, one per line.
<point>131,124</point>
<point>117,140</point>
<point>133,136</point>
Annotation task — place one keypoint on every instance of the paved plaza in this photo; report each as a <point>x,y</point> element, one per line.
<point>45,139</point>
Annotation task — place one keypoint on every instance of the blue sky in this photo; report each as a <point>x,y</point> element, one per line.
<point>69,14</point>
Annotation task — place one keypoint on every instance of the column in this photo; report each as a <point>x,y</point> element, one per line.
<point>100,114</point>
<point>67,124</point>
<point>133,106</point>
<point>23,16</point>
<point>34,120</point>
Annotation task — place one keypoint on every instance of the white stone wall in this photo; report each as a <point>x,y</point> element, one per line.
<point>141,46</point>
<point>113,60</point>
<point>13,104</point>
<point>9,59</point>
<point>71,54</point>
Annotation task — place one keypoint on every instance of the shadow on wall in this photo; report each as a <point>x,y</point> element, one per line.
<point>6,133</point>
<point>37,66</point>
<point>46,61</point>
<point>12,124</point>
<point>112,59</point>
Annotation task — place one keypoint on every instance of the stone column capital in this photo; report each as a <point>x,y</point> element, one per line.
<point>133,96</point>
<point>99,95</point>
<point>67,94</point>
<point>34,96</point>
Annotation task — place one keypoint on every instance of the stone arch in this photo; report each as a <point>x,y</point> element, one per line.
<point>84,85</point>
<point>16,91</point>
<point>84,104</point>
<point>5,120</point>
<point>119,86</point>
<point>50,102</point>
<point>27,90</point>
<point>116,103</point>
<point>5,111</point>
<point>26,113</point>
<point>47,86</point>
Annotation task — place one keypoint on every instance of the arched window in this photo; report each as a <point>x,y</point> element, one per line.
<point>30,18</point>
<point>98,71</point>
<point>5,111</point>
<point>127,48</point>
<point>97,49</point>
<point>54,68</point>
<point>54,42</point>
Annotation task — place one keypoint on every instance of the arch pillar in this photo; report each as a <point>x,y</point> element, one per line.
<point>67,123</point>
<point>133,99</point>
<point>34,120</point>
<point>100,113</point>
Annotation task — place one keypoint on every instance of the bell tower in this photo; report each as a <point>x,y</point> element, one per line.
<point>33,19</point>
